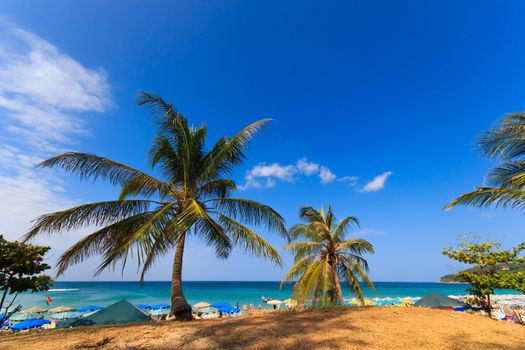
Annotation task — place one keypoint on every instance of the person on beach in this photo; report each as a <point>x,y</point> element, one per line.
<point>244,307</point>
<point>251,308</point>
<point>259,308</point>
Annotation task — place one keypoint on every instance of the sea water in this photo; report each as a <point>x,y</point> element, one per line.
<point>76,294</point>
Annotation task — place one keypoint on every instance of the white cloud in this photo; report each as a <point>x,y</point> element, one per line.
<point>306,167</point>
<point>368,232</point>
<point>264,175</point>
<point>44,96</point>
<point>351,180</point>
<point>326,175</point>
<point>377,183</point>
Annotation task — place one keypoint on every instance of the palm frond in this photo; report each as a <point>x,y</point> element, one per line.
<point>98,241</point>
<point>230,151</point>
<point>251,213</point>
<point>298,269</point>
<point>218,188</point>
<point>509,175</point>
<point>343,227</point>
<point>506,140</point>
<point>300,249</point>
<point>119,250</point>
<point>249,240</point>
<point>98,214</point>
<point>309,214</point>
<point>212,232</point>
<point>356,246</point>
<point>91,166</point>
<point>486,196</point>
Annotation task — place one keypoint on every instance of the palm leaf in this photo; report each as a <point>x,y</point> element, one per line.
<point>251,241</point>
<point>98,214</point>
<point>486,196</point>
<point>251,213</point>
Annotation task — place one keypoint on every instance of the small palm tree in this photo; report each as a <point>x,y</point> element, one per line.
<point>506,181</point>
<point>152,216</point>
<point>325,257</point>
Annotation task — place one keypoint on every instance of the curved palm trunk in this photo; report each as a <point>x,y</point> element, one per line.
<point>179,306</point>
<point>338,295</point>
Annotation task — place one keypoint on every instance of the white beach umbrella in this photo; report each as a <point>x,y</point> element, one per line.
<point>60,309</point>
<point>201,305</point>
<point>32,310</point>
<point>274,302</point>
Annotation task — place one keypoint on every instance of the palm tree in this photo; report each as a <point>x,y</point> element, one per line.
<point>154,216</point>
<point>505,183</point>
<point>325,257</point>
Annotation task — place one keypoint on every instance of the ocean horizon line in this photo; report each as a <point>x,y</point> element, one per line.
<point>234,281</point>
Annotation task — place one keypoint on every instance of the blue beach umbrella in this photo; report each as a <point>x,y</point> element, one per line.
<point>28,324</point>
<point>89,308</point>
<point>220,305</point>
<point>143,306</point>
<point>160,306</point>
<point>228,309</point>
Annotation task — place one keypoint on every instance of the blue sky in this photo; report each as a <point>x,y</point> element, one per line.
<point>377,106</point>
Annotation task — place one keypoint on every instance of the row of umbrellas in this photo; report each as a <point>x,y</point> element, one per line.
<point>58,313</point>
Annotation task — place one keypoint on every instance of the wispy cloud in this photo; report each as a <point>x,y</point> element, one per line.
<point>265,175</point>
<point>368,232</point>
<point>377,183</point>
<point>350,180</point>
<point>44,98</point>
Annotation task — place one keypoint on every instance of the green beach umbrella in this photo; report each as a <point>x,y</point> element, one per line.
<point>439,301</point>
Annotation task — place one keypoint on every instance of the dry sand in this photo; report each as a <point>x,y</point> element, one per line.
<point>367,328</point>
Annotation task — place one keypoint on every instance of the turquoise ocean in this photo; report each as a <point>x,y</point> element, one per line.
<point>76,294</point>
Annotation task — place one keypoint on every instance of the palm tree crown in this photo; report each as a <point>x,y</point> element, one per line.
<point>505,183</point>
<point>153,216</point>
<point>325,257</point>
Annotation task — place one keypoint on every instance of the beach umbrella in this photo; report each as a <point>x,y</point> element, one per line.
<point>438,301</point>
<point>274,302</point>
<point>89,308</point>
<point>201,305</point>
<point>28,324</point>
<point>159,312</point>
<point>229,309</point>
<point>66,315</point>
<point>160,306</point>
<point>33,310</point>
<point>60,309</point>
<point>143,306</point>
<point>220,304</point>
<point>23,317</point>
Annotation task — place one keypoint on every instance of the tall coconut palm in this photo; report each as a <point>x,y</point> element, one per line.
<point>505,183</point>
<point>325,256</point>
<point>154,216</point>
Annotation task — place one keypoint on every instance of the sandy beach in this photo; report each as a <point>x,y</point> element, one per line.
<point>370,328</point>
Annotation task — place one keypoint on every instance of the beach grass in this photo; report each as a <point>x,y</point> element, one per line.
<point>340,328</point>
